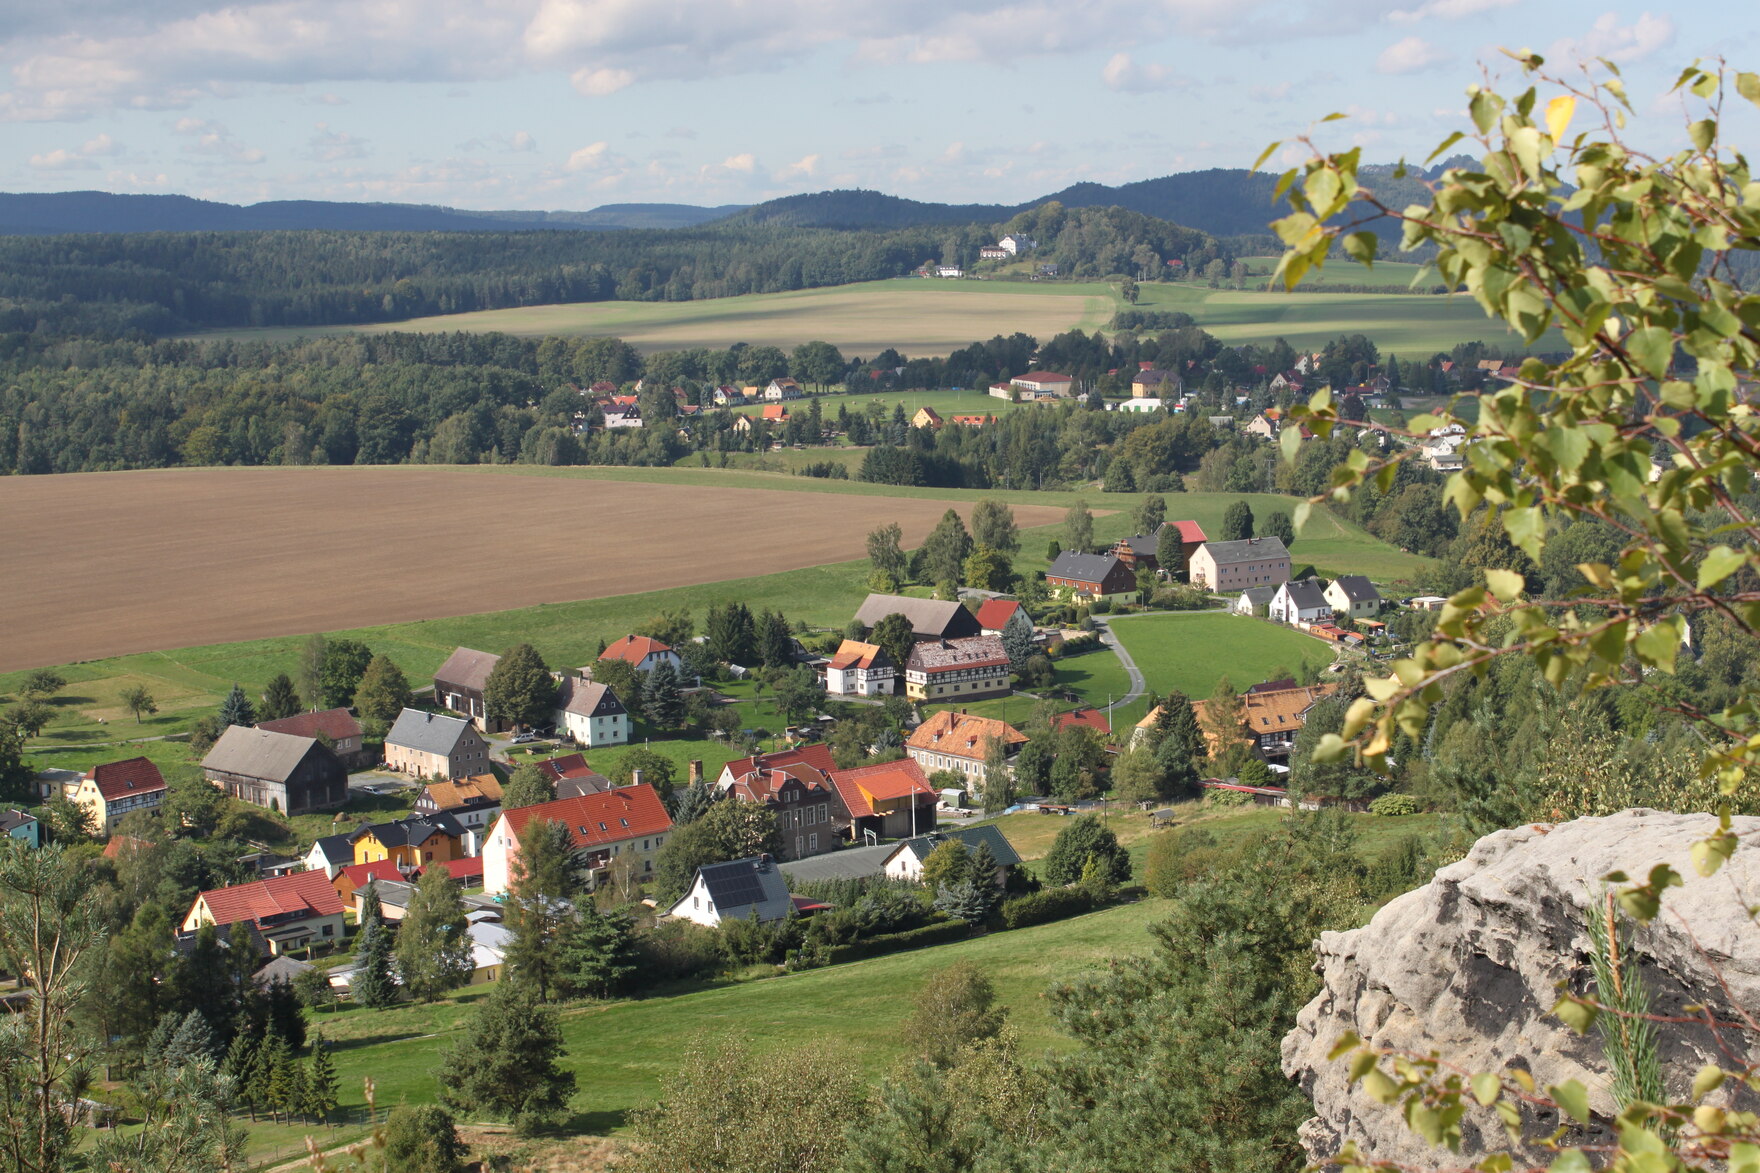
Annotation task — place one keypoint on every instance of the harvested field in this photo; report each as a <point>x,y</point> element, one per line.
<point>105,564</point>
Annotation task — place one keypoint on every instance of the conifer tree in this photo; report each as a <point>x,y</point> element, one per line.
<point>538,909</point>
<point>599,956</point>
<point>508,1063</point>
<point>194,1039</point>
<point>273,1081</point>
<point>280,699</point>
<point>241,1066</point>
<point>775,646</point>
<point>237,709</point>
<point>372,985</point>
<point>1170,552</point>
<point>433,945</point>
<point>321,1083</point>
<point>662,697</point>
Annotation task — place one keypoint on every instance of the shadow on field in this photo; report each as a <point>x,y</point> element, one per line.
<point>593,1123</point>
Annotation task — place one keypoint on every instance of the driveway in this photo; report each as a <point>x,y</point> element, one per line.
<point>1131,671</point>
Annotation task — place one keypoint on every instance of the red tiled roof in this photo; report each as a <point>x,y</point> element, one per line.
<point>122,779</point>
<point>887,780</point>
<point>817,755</point>
<point>996,612</point>
<point>963,736</point>
<point>465,869</point>
<point>573,765</point>
<point>359,874</point>
<point>593,819</point>
<point>853,653</point>
<point>1189,531</point>
<point>1088,718</point>
<point>336,724</point>
<point>309,893</point>
<point>122,843</point>
<point>633,649</point>
<point>775,411</point>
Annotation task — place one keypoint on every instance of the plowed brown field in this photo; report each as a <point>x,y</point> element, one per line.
<point>103,564</point>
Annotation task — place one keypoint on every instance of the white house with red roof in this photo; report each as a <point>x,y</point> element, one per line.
<point>291,911</point>
<point>998,615</point>
<point>642,653</point>
<point>887,801</point>
<point>627,824</point>
<point>860,669</point>
<point>114,789</point>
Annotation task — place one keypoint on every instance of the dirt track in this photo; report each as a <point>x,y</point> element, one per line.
<point>104,564</point>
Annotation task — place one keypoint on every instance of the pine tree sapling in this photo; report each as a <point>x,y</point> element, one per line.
<point>373,985</point>
<point>507,1064</point>
<point>237,709</point>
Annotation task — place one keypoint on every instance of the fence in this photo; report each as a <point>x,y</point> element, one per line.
<point>345,1126</point>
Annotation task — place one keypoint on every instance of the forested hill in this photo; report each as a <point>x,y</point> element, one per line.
<point>45,213</point>
<point>165,282</point>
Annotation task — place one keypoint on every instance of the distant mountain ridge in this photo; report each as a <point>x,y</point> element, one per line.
<point>1220,201</point>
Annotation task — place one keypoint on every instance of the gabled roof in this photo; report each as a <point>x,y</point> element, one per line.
<point>595,819</point>
<point>775,411</point>
<point>740,885</point>
<point>1190,532</point>
<point>951,655</point>
<point>576,785</point>
<point>586,699</point>
<point>1083,567</point>
<point>477,790</point>
<point>11,820</point>
<point>987,834</point>
<point>465,871</point>
<point>258,753</point>
<point>297,895</point>
<point>468,668</point>
<point>1246,550</point>
<point>335,849</point>
<point>962,735</point>
<point>817,755</point>
<point>412,832</point>
<point>860,786</point>
<point>928,617</point>
<point>427,732</point>
<point>126,778</point>
<point>852,863</point>
<point>361,874</point>
<point>853,653</point>
<point>1357,588</point>
<point>1308,594</point>
<point>1045,377</point>
<point>633,649</point>
<point>930,414</point>
<point>1260,596</point>
<point>336,724</point>
<point>1086,718</point>
<point>995,613</point>
<point>566,766</point>
<point>280,969</point>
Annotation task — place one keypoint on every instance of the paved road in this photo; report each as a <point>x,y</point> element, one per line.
<point>1135,674</point>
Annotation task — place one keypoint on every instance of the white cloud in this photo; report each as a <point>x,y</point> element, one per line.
<point>745,163</point>
<point>589,158</point>
<point>1616,42</point>
<point>803,168</point>
<point>215,141</point>
<point>1126,76</point>
<point>596,83</point>
<point>61,159</point>
<point>1446,10</point>
<point>332,146</point>
<point>101,146</point>
<point>1409,55</point>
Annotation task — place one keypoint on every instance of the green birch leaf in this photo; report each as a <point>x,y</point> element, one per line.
<point>1573,1098</point>
<point>1718,564</point>
<point>1652,348</point>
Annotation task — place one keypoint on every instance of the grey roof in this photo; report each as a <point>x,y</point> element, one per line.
<point>582,785</point>
<point>258,753</point>
<point>1260,596</point>
<point>11,820</point>
<point>586,699</point>
<point>1247,550</point>
<point>1083,567</point>
<point>986,833</point>
<point>946,655</point>
<point>336,848</point>
<point>852,863</point>
<point>281,969</point>
<point>1357,588</point>
<point>740,885</point>
<point>412,832</point>
<point>468,668</point>
<point>427,732</point>
<point>929,617</point>
<point>1308,594</point>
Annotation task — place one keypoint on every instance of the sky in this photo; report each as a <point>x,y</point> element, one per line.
<point>572,104</point>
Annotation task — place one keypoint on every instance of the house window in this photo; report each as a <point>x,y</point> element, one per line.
<point>812,842</point>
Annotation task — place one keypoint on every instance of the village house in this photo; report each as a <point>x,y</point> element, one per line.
<point>642,653</point>
<point>1136,406</point>
<point>951,740</point>
<point>330,854</point>
<point>471,802</point>
<point>350,880</point>
<point>971,421</point>
<point>1086,577</point>
<point>808,809</point>
<point>725,396</point>
<point>929,618</point>
<point>290,912</point>
<point>572,777</point>
<point>998,615</point>
<point>906,859</point>
<point>1045,383</point>
<point>114,789</point>
<point>429,745</point>
<point>949,271</point>
<point>1254,601</point>
<point>459,683</point>
<point>773,413</point>
<point>782,389</point>
<point>278,771</point>
<point>1235,566</point>
<point>860,669</point>
<point>1261,426</point>
<point>1300,602</point>
<point>590,714</point>
<point>627,826</point>
<point>927,417</point>
<point>815,754</point>
<point>1141,551</point>
<point>886,801</point>
<point>1083,718</point>
<point>396,888</point>
<point>16,824</point>
<point>993,252</point>
<point>1354,595</point>
<point>1015,245</point>
<point>1271,717</point>
<point>957,669</point>
<point>339,725</point>
<point>411,842</point>
<point>1154,384</point>
<point>740,889</point>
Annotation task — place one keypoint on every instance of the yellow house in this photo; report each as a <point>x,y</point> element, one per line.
<point>927,417</point>
<point>412,842</point>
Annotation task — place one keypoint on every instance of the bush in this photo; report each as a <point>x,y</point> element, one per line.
<point>1180,598</point>
<point>678,949</point>
<point>1394,804</point>
<point>1101,606</point>
<point>1042,907</point>
<point>935,934</point>
<point>1226,798</point>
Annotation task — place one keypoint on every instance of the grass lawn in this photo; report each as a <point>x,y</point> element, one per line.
<point>1191,652</point>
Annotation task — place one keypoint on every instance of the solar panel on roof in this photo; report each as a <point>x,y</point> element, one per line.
<point>735,888</point>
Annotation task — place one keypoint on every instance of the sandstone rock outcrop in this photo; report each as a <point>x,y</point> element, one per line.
<point>1470,965</point>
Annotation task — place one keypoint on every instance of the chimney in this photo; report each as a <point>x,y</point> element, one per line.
<point>695,770</point>
<point>635,777</point>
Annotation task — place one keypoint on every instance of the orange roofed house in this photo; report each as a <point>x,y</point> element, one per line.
<point>796,788</point>
<point>628,823</point>
<point>114,789</point>
<point>641,653</point>
<point>290,911</point>
<point>955,741</point>
<point>890,801</point>
<point>1270,717</point>
<point>860,669</point>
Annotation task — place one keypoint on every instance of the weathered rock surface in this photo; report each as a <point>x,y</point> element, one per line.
<point>1469,966</point>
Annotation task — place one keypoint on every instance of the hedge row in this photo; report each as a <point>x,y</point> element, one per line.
<point>935,934</point>
<point>1049,905</point>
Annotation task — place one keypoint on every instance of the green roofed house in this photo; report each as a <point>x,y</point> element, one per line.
<point>906,860</point>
